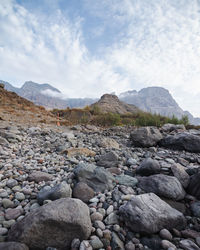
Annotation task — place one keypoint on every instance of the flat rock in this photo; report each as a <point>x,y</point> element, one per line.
<point>147,213</point>
<point>145,137</point>
<point>98,178</point>
<point>107,142</point>
<point>71,152</point>
<point>162,185</point>
<point>62,190</point>
<point>39,176</point>
<point>126,180</point>
<point>182,141</point>
<point>55,224</point>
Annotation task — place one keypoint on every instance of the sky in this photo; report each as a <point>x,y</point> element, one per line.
<point>86,48</point>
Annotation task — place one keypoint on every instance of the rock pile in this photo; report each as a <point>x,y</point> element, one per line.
<point>84,187</point>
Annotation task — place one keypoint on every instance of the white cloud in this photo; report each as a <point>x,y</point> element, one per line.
<point>161,46</point>
<point>156,43</point>
<point>51,51</point>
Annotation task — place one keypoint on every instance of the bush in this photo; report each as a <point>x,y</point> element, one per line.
<point>107,119</point>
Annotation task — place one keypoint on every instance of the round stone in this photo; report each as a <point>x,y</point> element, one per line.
<point>19,196</point>
<point>165,234</point>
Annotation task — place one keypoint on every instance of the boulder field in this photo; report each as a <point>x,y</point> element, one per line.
<point>85,187</point>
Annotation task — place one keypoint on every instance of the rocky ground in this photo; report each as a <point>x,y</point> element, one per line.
<point>83,187</point>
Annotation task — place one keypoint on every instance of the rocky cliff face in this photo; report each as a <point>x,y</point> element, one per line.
<point>156,100</point>
<point>111,103</point>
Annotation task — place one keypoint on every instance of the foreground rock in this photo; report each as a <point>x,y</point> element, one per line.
<point>98,178</point>
<point>62,190</point>
<point>180,173</point>
<point>39,176</point>
<point>147,213</point>
<point>145,137</point>
<point>13,246</point>
<point>148,167</point>
<point>83,192</point>
<point>182,141</point>
<point>55,224</point>
<point>162,185</point>
<point>194,185</point>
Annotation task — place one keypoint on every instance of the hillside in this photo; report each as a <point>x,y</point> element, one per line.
<point>18,109</point>
<point>47,96</point>
<point>152,99</point>
<point>111,103</point>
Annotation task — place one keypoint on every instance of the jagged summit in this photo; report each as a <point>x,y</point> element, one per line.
<point>111,103</point>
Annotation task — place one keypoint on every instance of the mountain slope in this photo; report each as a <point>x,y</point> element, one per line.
<point>156,100</point>
<point>19,109</point>
<point>111,103</point>
<point>47,96</point>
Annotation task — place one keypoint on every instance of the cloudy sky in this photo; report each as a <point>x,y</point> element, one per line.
<point>87,48</point>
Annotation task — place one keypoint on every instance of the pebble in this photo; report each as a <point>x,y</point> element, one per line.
<point>165,234</point>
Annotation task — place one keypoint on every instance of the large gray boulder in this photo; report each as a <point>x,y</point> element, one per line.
<point>62,190</point>
<point>162,185</point>
<point>182,141</point>
<point>147,213</point>
<point>55,224</point>
<point>148,167</point>
<point>194,185</point>
<point>145,137</point>
<point>98,178</point>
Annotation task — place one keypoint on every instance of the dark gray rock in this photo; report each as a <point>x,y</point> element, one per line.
<point>145,137</point>
<point>55,224</point>
<point>98,178</point>
<point>153,242</point>
<point>162,185</point>
<point>194,185</point>
<point>62,190</point>
<point>148,167</point>
<point>182,141</point>
<point>83,192</point>
<point>13,246</point>
<point>108,160</point>
<point>147,213</point>
<point>195,207</point>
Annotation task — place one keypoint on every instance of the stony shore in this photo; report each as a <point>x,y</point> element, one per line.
<point>85,187</point>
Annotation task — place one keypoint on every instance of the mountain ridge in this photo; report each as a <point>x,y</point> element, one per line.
<point>151,99</point>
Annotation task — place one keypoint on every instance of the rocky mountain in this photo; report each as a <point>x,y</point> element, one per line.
<point>151,99</point>
<point>111,103</point>
<point>47,96</point>
<point>156,100</point>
